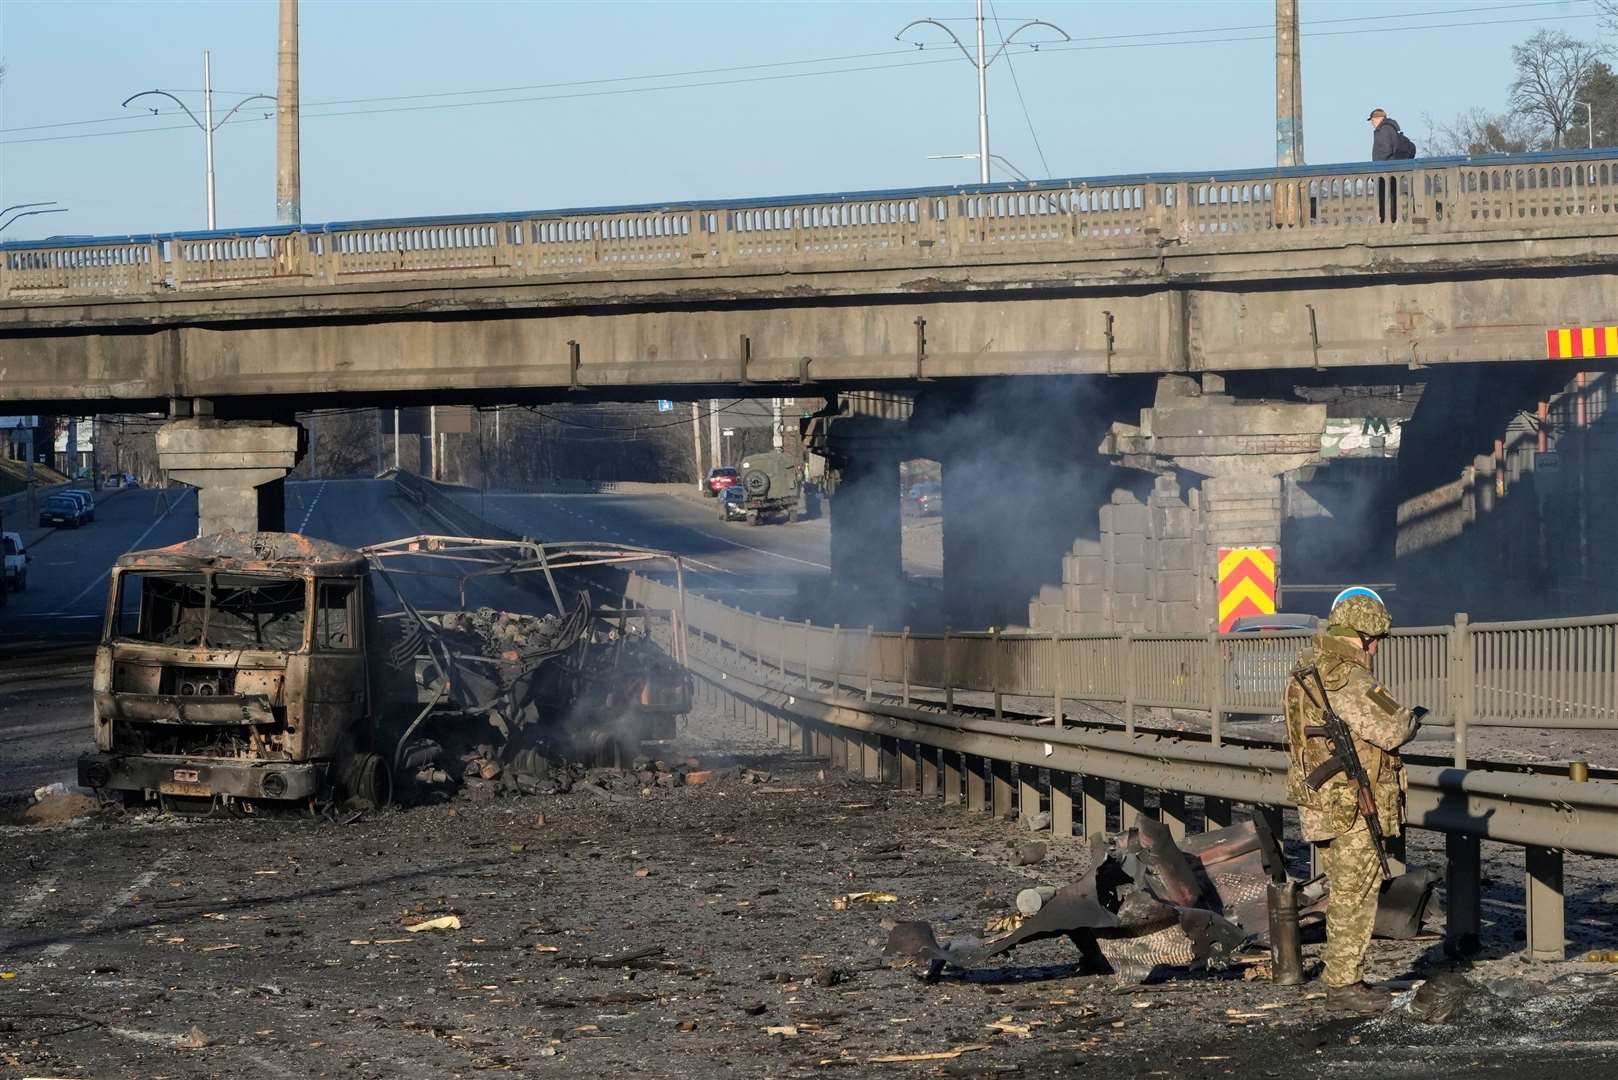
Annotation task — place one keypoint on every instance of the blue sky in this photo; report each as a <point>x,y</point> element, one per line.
<point>1115,104</point>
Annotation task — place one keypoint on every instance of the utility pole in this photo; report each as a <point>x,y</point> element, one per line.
<point>1288,86</point>
<point>288,182</point>
<point>776,434</point>
<point>396,465</point>
<point>713,433</point>
<point>432,442</point>
<point>981,62</point>
<point>696,443</point>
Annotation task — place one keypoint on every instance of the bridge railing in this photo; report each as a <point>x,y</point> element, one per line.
<point>1540,674</point>
<point>1039,219</point>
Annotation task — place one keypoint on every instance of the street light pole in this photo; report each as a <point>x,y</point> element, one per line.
<point>1589,124</point>
<point>206,124</point>
<point>981,62</point>
<point>207,130</point>
<point>983,105</point>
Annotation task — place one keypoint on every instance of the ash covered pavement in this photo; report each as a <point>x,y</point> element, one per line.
<point>693,931</point>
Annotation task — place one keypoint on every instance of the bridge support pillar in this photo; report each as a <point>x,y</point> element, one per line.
<point>237,468</point>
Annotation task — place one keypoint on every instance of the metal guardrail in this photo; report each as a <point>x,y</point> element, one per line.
<point>1054,218</point>
<point>816,688</point>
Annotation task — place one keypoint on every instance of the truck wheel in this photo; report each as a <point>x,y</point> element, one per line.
<point>368,778</point>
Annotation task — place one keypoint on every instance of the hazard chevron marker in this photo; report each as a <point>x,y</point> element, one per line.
<point>1246,584</point>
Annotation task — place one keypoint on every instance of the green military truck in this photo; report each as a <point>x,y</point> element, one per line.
<point>771,483</point>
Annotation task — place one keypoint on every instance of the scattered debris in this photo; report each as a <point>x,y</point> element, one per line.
<point>843,903</point>
<point>194,1039</point>
<point>934,1055</point>
<point>443,922</point>
<point>1444,997</point>
<point>1028,853</point>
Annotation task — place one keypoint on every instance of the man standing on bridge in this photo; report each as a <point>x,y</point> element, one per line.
<point>1328,804</point>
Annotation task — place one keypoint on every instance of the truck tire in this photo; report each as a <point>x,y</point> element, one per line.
<point>757,483</point>
<point>369,778</point>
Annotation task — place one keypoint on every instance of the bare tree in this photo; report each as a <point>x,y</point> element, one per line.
<point>1550,67</point>
<point>1479,132</point>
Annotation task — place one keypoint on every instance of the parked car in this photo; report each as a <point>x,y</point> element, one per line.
<point>924,500</point>
<point>733,503</point>
<point>721,478</point>
<point>16,560</point>
<point>86,500</point>
<point>63,511</point>
<point>1256,672</point>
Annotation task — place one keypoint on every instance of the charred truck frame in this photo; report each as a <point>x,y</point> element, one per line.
<point>254,666</point>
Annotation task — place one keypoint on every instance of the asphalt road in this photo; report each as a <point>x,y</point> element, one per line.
<point>757,566</point>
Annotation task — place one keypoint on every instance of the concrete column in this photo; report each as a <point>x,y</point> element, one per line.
<point>1237,511</point>
<point>865,531</point>
<point>237,468</point>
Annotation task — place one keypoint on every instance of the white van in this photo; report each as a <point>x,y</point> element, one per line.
<point>16,561</point>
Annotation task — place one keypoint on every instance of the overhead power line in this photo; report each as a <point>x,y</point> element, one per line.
<point>1101,43</point>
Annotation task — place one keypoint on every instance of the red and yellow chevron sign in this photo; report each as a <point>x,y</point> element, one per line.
<point>1246,584</point>
<point>1579,342</point>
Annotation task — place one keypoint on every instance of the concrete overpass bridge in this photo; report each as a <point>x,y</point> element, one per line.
<point>1192,307</point>
<point>1326,267</point>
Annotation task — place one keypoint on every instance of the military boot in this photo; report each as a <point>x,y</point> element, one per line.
<point>1355,997</point>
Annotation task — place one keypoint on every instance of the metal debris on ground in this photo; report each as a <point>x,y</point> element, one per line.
<point>1151,907</point>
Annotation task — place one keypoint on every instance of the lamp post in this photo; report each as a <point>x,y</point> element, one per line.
<point>1589,124</point>
<point>1012,169</point>
<point>26,210</point>
<point>206,123</point>
<point>981,62</point>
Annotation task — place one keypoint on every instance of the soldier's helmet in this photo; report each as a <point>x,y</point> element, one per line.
<point>1360,609</point>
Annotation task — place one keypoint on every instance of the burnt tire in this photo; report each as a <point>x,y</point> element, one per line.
<point>369,779</point>
<point>757,483</point>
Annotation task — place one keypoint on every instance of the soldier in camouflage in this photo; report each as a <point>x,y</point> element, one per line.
<point>1329,810</point>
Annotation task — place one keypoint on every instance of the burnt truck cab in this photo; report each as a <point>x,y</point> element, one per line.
<point>234,665</point>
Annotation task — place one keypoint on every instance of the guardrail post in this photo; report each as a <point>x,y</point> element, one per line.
<point>1062,805</point>
<point>949,687</point>
<point>808,632</point>
<point>888,753</point>
<point>781,628</point>
<point>1547,935</point>
<point>1128,642</point>
<point>1215,813</point>
<point>871,755</point>
<point>994,670</point>
<point>1218,677</point>
<point>1171,810</point>
<point>907,764</point>
<point>837,658</point>
<point>1131,805</point>
<point>904,662</point>
<point>1001,770</point>
<point>1094,792</point>
<point>977,787</point>
<point>951,760</point>
<point>929,769</point>
<point>1029,798</point>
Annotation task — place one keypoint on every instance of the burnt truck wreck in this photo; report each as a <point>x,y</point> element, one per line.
<point>255,667</point>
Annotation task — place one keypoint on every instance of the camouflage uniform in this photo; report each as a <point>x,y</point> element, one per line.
<point>1330,815</point>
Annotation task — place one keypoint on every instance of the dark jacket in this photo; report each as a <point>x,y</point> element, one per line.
<point>1385,140</point>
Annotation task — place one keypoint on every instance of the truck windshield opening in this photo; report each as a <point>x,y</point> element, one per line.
<point>209,610</point>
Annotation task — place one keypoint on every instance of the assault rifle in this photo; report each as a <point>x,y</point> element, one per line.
<point>1344,759</point>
